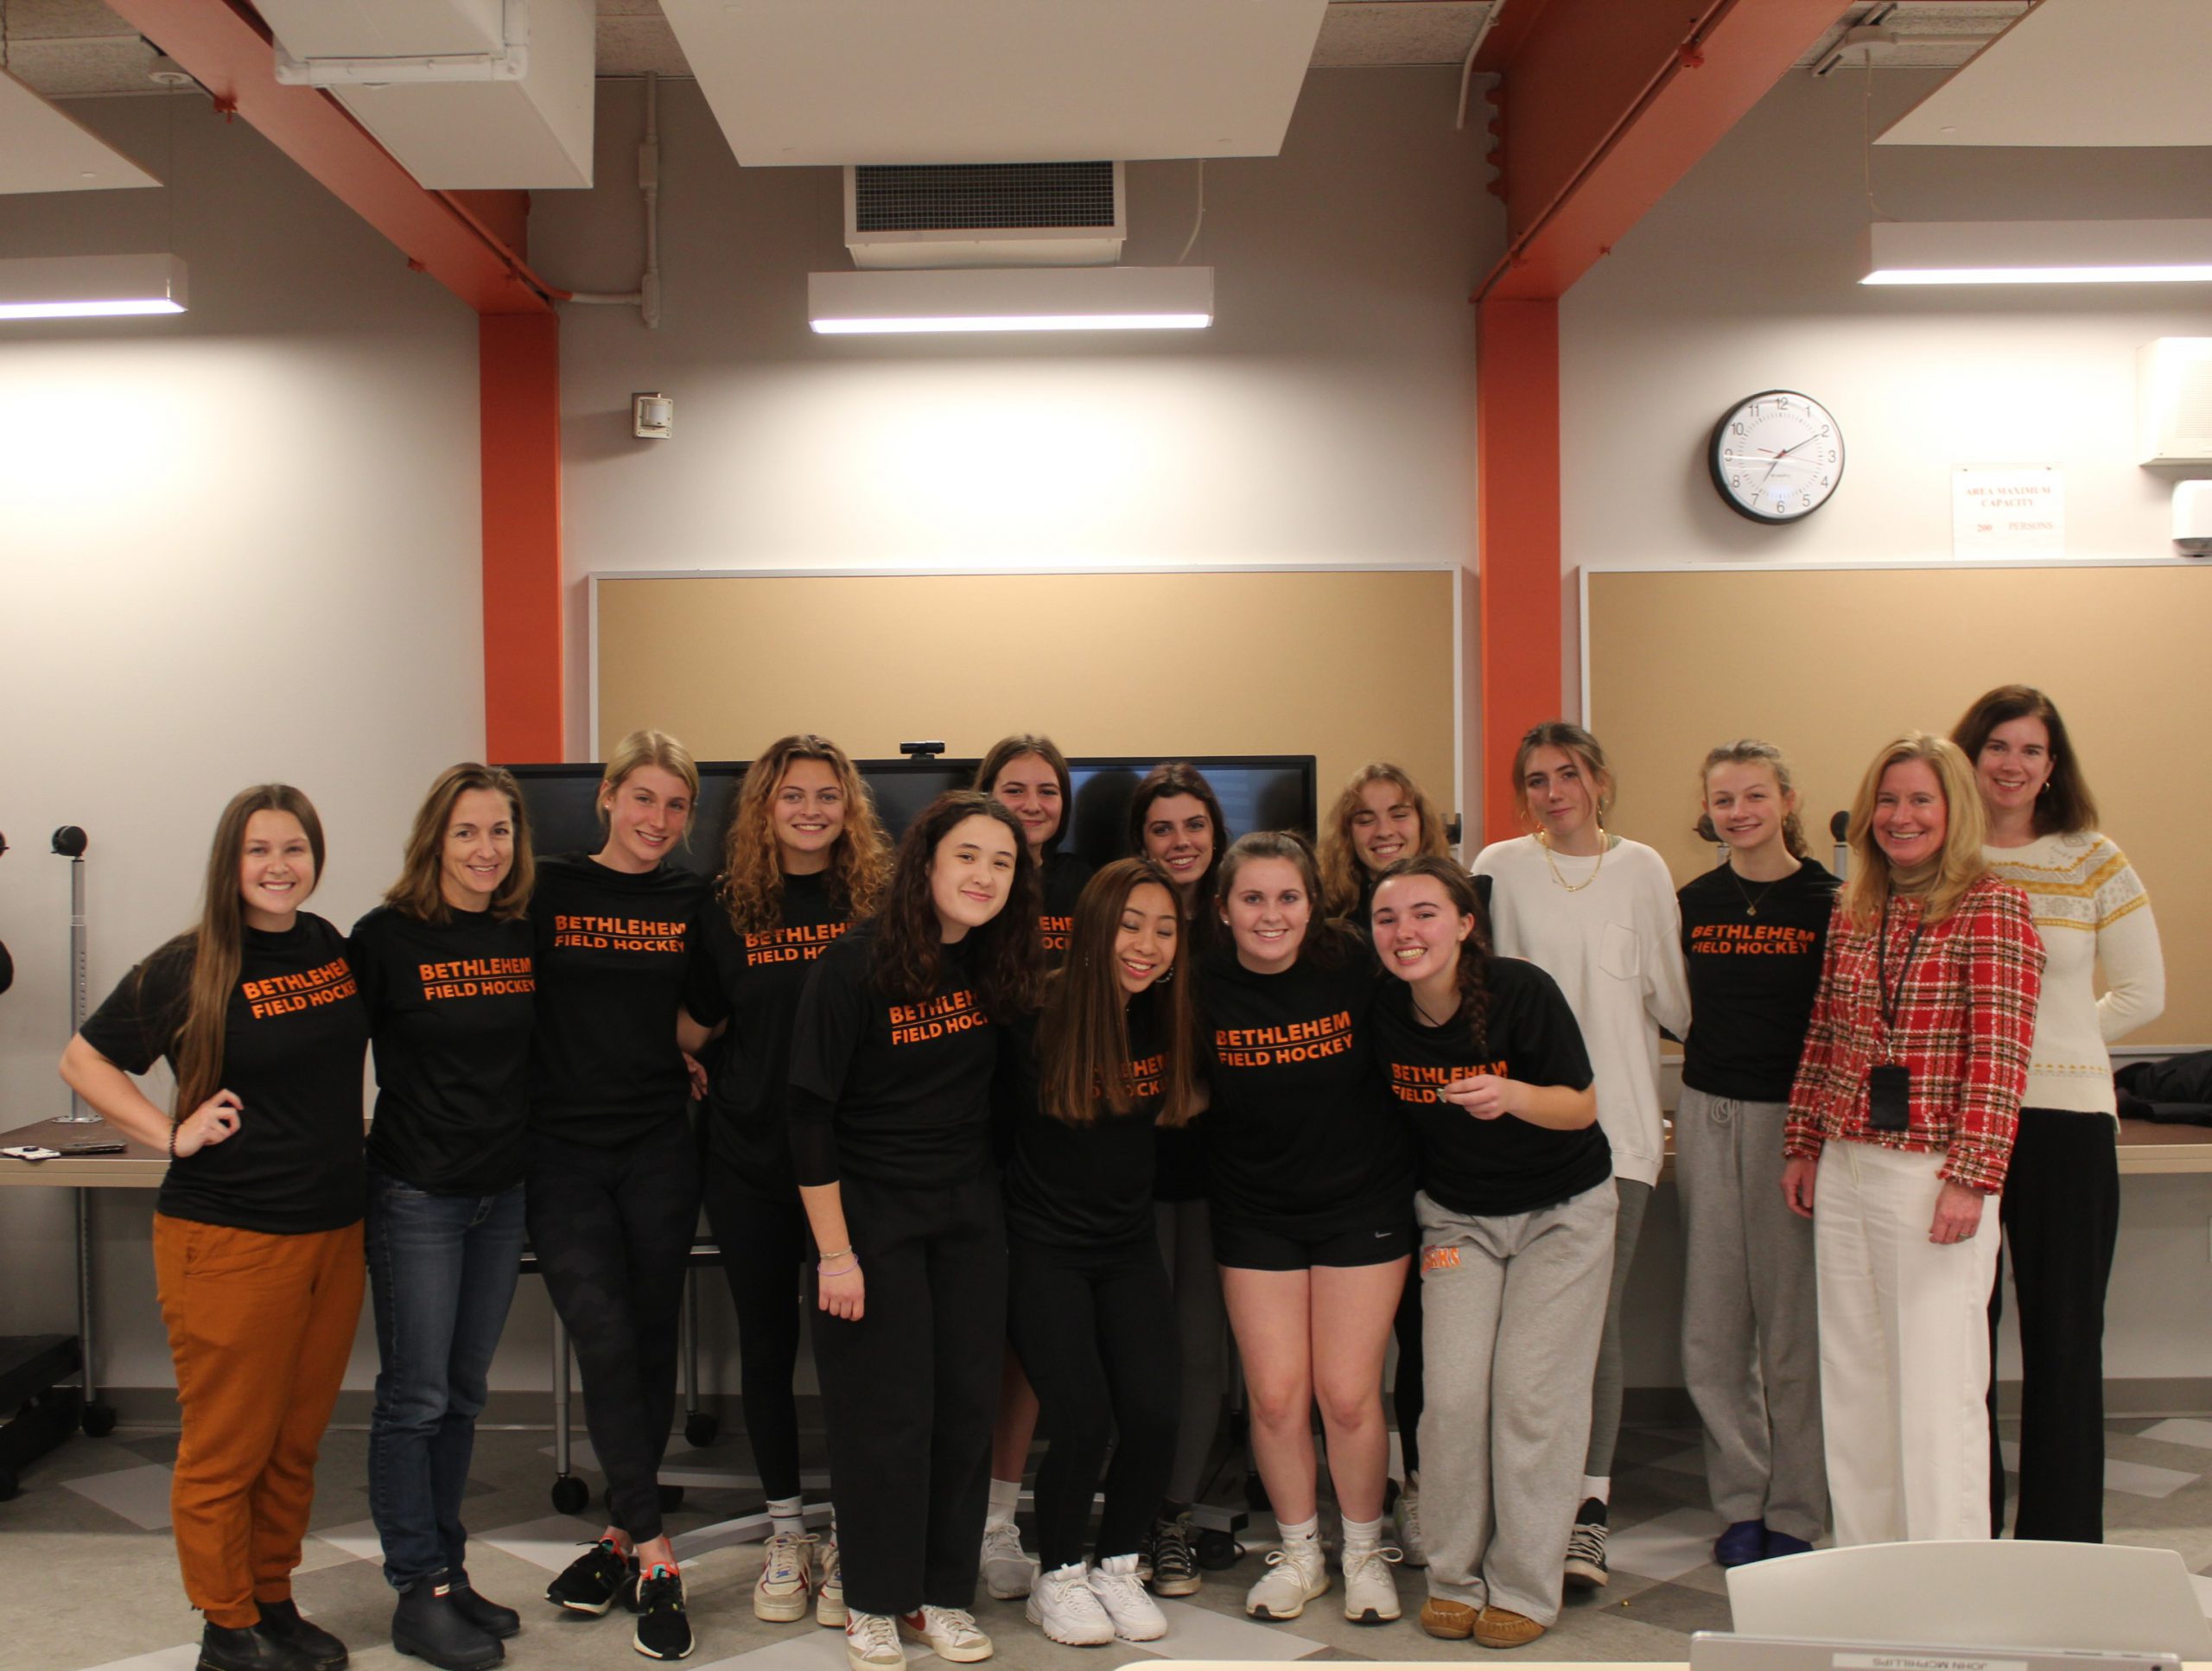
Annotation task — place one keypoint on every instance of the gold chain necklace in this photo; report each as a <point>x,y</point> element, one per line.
<point>1544,842</point>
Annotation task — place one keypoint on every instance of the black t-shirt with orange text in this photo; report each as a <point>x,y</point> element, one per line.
<point>909,1084</point>
<point>294,1037</point>
<point>1492,1168</point>
<point>1301,1137</point>
<point>613,953</point>
<point>1087,1186</point>
<point>451,1009</point>
<point>753,979</point>
<point>1753,951</point>
<point>1059,885</point>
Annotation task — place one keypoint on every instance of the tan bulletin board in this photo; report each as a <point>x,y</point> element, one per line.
<point>1346,665</point>
<point>1829,664</point>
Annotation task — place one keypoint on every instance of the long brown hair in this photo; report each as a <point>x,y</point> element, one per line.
<point>1005,956</point>
<point>1958,865</point>
<point>1181,777</point>
<point>1475,952</point>
<point>752,883</point>
<point>1006,751</point>
<point>418,892</point>
<point>1082,1033</point>
<point>1341,867</point>
<point>2065,804</point>
<point>1750,751</point>
<point>1579,746</point>
<point>218,943</point>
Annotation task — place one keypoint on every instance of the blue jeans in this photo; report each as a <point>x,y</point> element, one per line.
<point>441,1272</point>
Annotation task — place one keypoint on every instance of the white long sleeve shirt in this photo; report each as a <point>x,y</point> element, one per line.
<point>1615,948</point>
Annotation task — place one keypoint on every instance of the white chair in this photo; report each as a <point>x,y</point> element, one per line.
<point>1978,1593</point>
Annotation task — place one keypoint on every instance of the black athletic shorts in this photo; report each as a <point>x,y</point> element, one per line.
<point>1253,1247</point>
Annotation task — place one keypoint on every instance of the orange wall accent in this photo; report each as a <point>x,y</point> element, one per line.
<point>1517,478</point>
<point>518,359</point>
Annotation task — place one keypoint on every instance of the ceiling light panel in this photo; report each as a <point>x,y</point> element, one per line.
<point>43,149</point>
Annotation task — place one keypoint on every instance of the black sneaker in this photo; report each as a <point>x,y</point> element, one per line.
<point>1586,1548</point>
<point>280,1621</point>
<point>594,1579</point>
<point>488,1617</point>
<point>664,1632</point>
<point>1174,1572</point>
<point>222,1648</point>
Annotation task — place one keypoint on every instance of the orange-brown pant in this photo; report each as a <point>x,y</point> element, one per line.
<point>260,1327</point>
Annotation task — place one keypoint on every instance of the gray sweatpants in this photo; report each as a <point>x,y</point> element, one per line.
<point>1751,1334</point>
<point>1511,1309</point>
<point>1606,1386</point>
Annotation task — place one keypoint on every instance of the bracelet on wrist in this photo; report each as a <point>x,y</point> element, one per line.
<point>842,1270</point>
<point>174,1124</point>
<point>823,1259</point>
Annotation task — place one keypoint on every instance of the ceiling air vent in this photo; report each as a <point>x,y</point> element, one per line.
<point>984,214</point>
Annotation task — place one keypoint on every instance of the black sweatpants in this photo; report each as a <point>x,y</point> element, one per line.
<point>1095,1328</point>
<point>1406,1397</point>
<point>2061,1213</point>
<point>911,1388</point>
<point>764,1243</point>
<point>612,1230</point>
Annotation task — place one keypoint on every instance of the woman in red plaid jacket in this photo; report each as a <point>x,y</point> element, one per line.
<point>1901,1125</point>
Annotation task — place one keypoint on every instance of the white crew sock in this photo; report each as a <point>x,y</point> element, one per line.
<point>1363,1532</point>
<point>1006,1497</point>
<point>787,1517</point>
<point>1594,1487</point>
<point>1291,1529</point>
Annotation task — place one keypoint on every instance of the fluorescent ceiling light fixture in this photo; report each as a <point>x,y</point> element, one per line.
<point>1012,299</point>
<point>91,286</point>
<point>2039,252</point>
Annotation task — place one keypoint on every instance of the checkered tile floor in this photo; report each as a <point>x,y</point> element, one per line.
<point>108,1598</point>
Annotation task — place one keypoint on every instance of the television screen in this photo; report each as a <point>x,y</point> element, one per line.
<point>1257,791</point>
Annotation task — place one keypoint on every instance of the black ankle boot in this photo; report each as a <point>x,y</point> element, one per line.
<point>488,1617</point>
<point>428,1626</point>
<point>222,1648</point>
<point>281,1622</point>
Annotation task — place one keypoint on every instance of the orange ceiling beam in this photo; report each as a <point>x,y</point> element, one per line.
<point>225,45</point>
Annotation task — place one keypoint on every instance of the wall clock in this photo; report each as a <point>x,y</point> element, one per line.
<point>1776,456</point>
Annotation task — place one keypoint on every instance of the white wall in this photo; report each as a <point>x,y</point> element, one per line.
<point>234,546</point>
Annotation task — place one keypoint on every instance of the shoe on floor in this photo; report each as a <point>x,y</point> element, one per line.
<point>1501,1627</point>
<point>1137,1617</point>
<point>871,1643</point>
<point>1064,1607</point>
<point>1406,1520</point>
<point>1370,1593</point>
<point>594,1580</point>
<point>784,1589</point>
<point>244,1648</point>
<point>428,1625</point>
<point>1175,1572</point>
<point>1779,1544</point>
<point>1586,1548</point>
<point>663,1630</point>
<point>1009,1569</point>
<point>1296,1573</point>
<point>282,1621</point>
<point>1449,1620</point>
<point>1744,1542</point>
<point>830,1599</point>
<point>951,1633</point>
<point>484,1614</point>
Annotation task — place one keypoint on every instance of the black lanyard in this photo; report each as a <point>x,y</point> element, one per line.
<point>1882,965</point>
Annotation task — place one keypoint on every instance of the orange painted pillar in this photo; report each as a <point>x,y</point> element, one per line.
<point>1517,486</point>
<point>519,359</point>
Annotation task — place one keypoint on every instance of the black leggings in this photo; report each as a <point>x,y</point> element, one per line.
<point>764,1242</point>
<point>613,1229</point>
<point>1406,1399</point>
<point>1095,1330</point>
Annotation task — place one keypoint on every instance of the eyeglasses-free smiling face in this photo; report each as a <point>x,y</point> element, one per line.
<point>1266,912</point>
<point>1746,804</point>
<point>2014,765</point>
<point>480,849</point>
<point>1144,943</point>
<point>1178,836</point>
<point>276,870</point>
<point>807,815</point>
<point>1387,826</point>
<point>1028,787</point>
<point>970,874</point>
<point>1911,815</point>
<point>646,815</point>
<point>1418,930</point>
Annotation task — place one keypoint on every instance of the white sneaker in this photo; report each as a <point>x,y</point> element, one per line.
<point>1407,1516</point>
<point>1009,1569</point>
<point>950,1631</point>
<point>1063,1606</point>
<point>785,1587</point>
<point>830,1600</point>
<point>1296,1573</point>
<point>1370,1593</point>
<point>871,1643</point>
<point>1137,1617</point>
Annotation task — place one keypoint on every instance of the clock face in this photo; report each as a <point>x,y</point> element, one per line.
<point>1777,456</point>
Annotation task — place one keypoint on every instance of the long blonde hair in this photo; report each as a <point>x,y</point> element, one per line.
<point>1341,868</point>
<point>1959,864</point>
<point>751,885</point>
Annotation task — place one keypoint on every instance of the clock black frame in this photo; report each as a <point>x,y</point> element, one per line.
<point>1719,476</point>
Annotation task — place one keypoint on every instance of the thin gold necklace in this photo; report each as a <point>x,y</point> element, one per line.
<point>1544,842</point>
<point>1750,904</point>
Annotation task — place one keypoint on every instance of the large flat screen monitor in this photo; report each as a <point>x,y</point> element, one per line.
<point>1257,791</point>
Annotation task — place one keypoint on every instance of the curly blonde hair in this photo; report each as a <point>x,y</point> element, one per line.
<point>751,882</point>
<point>1341,868</point>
